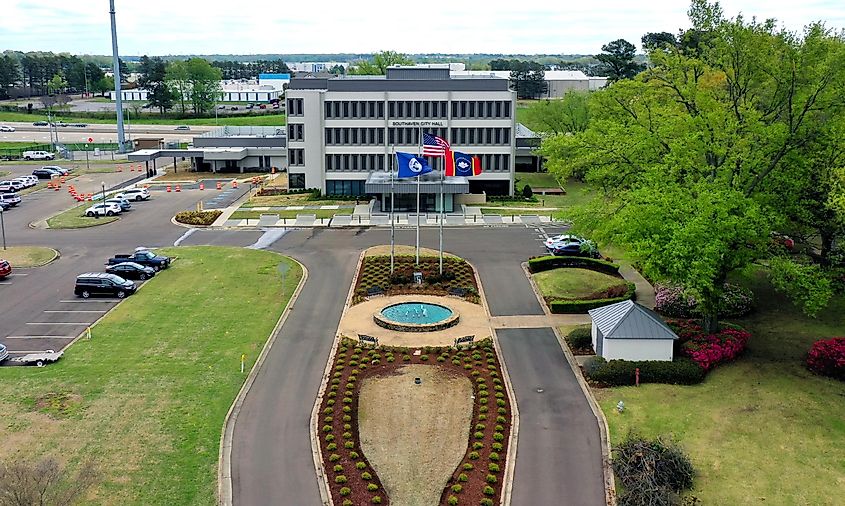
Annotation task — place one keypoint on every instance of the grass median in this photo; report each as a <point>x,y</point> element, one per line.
<point>75,218</point>
<point>319,213</point>
<point>573,284</point>
<point>146,397</point>
<point>28,256</point>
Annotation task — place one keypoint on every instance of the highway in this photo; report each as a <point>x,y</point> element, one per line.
<point>26,132</point>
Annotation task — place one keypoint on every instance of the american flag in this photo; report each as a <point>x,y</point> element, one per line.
<point>434,145</point>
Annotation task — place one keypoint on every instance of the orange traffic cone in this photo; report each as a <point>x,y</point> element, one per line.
<point>219,185</point>
<point>90,197</point>
<point>168,188</point>
<point>178,188</point>
<point>234,183</point>
<point>202,186</point>
<point>119,168</point>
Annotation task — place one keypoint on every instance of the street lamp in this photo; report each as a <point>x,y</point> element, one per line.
<point>103,184</point>
<point>3,227</point>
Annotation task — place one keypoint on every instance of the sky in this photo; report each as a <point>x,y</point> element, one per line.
<point>162,27</point>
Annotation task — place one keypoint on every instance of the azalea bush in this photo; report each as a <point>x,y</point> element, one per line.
<point>675,301</point>
<point>709,350</point>
<point>827,357</point>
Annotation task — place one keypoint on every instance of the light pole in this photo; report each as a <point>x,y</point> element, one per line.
<point>103,184</point>
<point>3,227</point>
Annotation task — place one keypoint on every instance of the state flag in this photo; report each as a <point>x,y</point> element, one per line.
<point>462,164</point>
<point>411,165</point>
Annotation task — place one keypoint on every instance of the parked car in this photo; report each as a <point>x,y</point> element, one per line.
<point>26,181</point>
<point>4,353</point>
<point>131,270</point>
<point>45,173</point>
<point>182,127</point>
<point>563,238</point>
<point>103,210</point>
<point>5,268</point>
<point>4,206</point>
<point>40,123</point>
<point>92,284</point>
<point>7,128</point>
<point>276,105</point>
<point>10,186</point>
<point>221,107</point>
<point>143,257</point>
<point>234,108</point>
<point>61,170</point>
<point>136,194</point>
<point>12,199</point>
<point>575,249</point>
<point>250,106</point>
<point>79,125</point>
<point>38,155</point>
<point>262,106</point>
<point>123,203</point>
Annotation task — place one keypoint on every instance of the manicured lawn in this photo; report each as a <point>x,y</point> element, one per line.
<point>503,211</point>
<point>27,256</point>
<point>265,119</point>
<point>16,145</point>
<point>536,180</point>
<point>298,199</point>
<point>571,283</point>
<point>320,213</point>
<point>760,430</point>
<point>145,398</point>
<point>75,218</point>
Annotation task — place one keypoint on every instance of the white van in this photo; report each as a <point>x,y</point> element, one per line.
<point>38,155</point>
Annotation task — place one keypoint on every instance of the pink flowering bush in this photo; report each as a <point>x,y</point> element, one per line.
<point>710,350</point>
<point>674,301</point>
<point>827,357</point>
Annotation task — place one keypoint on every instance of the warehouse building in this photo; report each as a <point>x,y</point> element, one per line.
<point>342,131</point>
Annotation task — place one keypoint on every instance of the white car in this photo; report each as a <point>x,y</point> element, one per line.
<point>4,354</point>
<point>6,128</point>
<point>61,170</point>
<point>136,194</point>
<point>38,155</point>
<point>562,239</point>
<point>26,181</point>
<point>103,210</point>
<point>11,186</point>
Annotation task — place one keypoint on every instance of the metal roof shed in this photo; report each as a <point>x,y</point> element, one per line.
<point>628,331</point>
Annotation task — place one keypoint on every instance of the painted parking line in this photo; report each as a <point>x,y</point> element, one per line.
<point>5,282</point>
<point>19,274</point>
<point>82,324</point>
<point>75,310</point>
<point>40,337</point>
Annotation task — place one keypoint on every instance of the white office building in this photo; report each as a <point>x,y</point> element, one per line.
<point>559,81</point>
<point>343,131</point>
<point>266,88</point>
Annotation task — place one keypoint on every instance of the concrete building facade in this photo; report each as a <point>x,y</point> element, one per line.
<point>343,129</point>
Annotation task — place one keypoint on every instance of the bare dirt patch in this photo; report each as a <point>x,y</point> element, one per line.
<point>58,404</point>
<point>415,435</point>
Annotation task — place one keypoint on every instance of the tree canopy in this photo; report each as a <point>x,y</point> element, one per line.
<point>568,114</point>
<point>618,59</point>
<point>379,63</point>
<point>705,154</point>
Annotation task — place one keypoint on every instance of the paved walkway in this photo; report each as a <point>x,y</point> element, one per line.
<point>645,292</point>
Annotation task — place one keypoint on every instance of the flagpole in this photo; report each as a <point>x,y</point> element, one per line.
<point>442,211</point>
<point>392,216</point>
<point>420,140</point>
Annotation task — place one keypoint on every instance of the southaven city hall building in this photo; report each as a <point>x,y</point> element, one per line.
<point>343,131</point>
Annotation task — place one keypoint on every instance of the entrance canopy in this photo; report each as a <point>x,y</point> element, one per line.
<point>379,183</point>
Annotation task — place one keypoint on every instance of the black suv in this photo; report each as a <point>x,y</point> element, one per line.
<point>104,284</point>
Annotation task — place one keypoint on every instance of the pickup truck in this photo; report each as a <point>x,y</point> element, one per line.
<point>147,258</point>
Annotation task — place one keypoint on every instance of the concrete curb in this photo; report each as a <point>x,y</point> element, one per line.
<point>316,453</point>
<point>513,438</point>
<point>224,458</point>
<point>604,431</point>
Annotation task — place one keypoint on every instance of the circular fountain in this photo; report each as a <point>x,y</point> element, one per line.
<point>416,317</point>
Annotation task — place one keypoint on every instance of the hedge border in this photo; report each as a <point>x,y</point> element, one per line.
<point>582,306</point>
<point>549,262</point>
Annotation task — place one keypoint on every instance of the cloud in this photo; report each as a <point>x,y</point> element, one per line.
<point>332,26</point>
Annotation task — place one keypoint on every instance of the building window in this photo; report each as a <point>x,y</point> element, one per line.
<point>295,107</point>
<point>296,132</point>
<point>296,157</point>
<point>296,181</point>
<point>344,187</point>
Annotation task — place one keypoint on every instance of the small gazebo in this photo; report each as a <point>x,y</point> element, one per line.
<point>628,331</point>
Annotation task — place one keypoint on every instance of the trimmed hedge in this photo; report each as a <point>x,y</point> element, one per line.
<point>198,217</point>
<point>582,306</point>
<point>580,338</point>
<point>549,262</point>
<point>681,371</point>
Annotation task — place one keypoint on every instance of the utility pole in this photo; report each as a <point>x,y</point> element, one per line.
<point>121,140</point>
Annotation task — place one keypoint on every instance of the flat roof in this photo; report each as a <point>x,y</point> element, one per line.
<point>380,182</point>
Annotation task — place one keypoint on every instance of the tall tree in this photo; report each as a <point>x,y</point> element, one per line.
<point>569,114</point>
<point>178,79</point>
<point>696,154</point>
<point>380,62</point>
<point>204,82</point>
<point>658,40</point>
<point>10,73</point>
<point>618,59</point>
<point>154,79</point>
<point>527,78</point>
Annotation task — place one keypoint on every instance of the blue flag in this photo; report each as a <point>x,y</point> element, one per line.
<point>411,165</point>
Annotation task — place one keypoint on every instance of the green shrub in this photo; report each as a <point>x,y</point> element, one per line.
<point>366,476</point>
<point>502,411</point>
<point>328,419</point>
<point>346,426</point>
<point>360,466</point>
<point>340,479</point>
<point>493,468</point>
<point>478,435</point>
<point>349,445</point>
<point>328,411</point>
<point>480,426</point>
<point>329,438</point>
<point>203,218</point>
<point>338,468</point>
<point>547,263</point>
<point>376,499</point>
<point>372,487</point>
<point>353,455</point>
<point>347,409</point>
<point>452,501</point>
<point>331,447</point>
<point>463,478</point>
<point>501,419</point>
<point>580,338</point>
<point>345,491</point>
<point>486,502</point>
<point>681,371</point>
<point>498,436</point>
<point>491,478</point>
<point>334,457</point>
<point>347,502</point>
<point>497,446</point>
<point>477,445</point>
<point>494,456</point>
<point>488,490</point>
<point>482,417</point>
<point>423,357</point>
<point>330,402</point>
<point>347,435</point>
<point>468,466</point>
<point>456,488</point>
<point>474,455</point>
<point>327,428</point>
<point>406,357</point>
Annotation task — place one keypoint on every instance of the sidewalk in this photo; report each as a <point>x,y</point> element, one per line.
<point>401,220</point>
<point>645,292</point>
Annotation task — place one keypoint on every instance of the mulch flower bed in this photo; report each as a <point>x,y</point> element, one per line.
<point>458,277</point>
<point>479,478</point>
